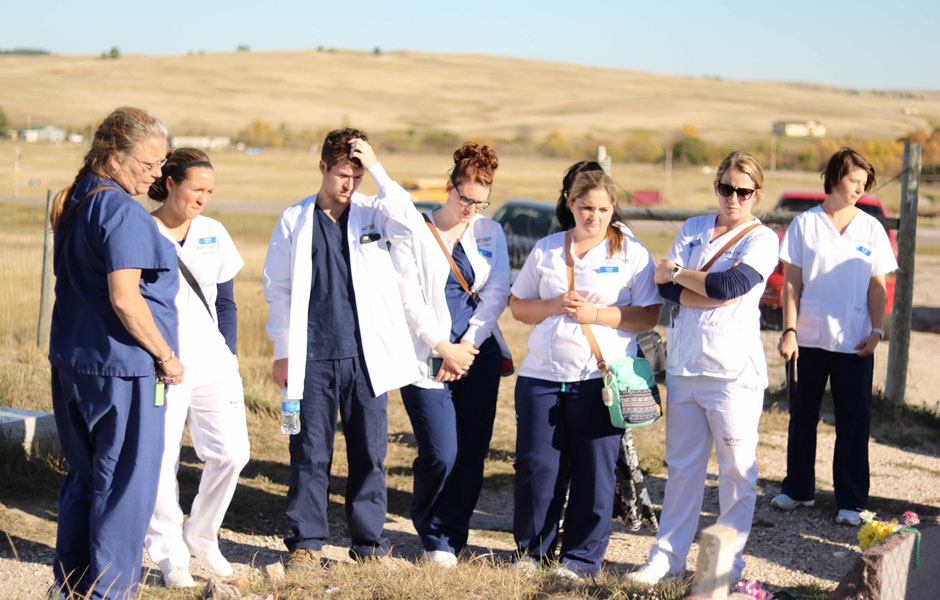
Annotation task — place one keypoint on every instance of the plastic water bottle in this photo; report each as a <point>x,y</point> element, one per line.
<point>290,416</point>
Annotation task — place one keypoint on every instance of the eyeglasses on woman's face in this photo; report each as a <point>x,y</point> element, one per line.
<point>468,202</point>
<point>726,191</point>
<point>150,166</point>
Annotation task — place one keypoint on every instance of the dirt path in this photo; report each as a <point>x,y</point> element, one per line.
<point>784,549</point>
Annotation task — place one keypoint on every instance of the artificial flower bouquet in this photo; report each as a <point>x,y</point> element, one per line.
<point>873,531</point>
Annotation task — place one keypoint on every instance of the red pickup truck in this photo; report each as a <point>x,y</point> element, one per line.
<point>771,302</point>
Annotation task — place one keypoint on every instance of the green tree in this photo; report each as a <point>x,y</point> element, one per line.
<point>3,123</point>
<point>690,149</point>
<point>114,53</point>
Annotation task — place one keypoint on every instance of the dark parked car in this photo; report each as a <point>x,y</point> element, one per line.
<point>426,205</point>
<point>771,302</point>
<point>526,222</point>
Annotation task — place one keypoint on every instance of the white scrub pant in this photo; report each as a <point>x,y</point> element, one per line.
<point>700,410</point>
<point>215,413</point>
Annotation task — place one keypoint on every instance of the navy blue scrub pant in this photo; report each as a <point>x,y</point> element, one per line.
<point>453,427</point>
<point>112,438</point>
<point>332,386</point>
<point>850,379</point>
<point>558,423</point>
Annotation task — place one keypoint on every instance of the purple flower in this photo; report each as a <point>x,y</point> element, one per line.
<point>754,589</point>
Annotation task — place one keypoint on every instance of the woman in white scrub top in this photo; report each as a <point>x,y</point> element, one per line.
<point>211,399</point>
<point>560,414</point>
<point>715,370</point>
<point>835,260</point>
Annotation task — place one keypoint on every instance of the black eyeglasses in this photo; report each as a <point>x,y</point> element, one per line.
<point>150,166</point>
<point>470,202</point>
<point>727,190</point>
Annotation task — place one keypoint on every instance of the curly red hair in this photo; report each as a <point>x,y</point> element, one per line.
<point>473,162</point>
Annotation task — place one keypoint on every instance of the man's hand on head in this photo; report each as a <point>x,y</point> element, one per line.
<point>361,150</point>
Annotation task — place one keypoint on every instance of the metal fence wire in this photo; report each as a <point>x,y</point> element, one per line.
<point>21,255</point>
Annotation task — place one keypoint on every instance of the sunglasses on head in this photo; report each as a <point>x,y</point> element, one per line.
<point>726,191</point>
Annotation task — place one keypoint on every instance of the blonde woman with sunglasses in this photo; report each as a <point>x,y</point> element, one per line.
<point>715,372</point>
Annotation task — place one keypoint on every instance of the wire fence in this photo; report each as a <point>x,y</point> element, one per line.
<point>21,255</point>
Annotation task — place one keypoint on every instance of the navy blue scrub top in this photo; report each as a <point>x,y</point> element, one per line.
<point>331,314</point>
<point>459,302</point>
<point>111,232</point>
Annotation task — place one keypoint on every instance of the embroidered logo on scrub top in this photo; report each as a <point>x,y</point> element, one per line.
<point>732,441</point>
<point>864,250</point>
<point>207,244</point>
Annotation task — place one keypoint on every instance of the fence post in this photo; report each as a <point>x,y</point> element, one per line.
<point>715,561</point>
<point>900,345</point>
<point>48,281</point>
<point>602,158</point>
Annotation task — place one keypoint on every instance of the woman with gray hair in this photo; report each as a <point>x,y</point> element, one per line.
<point>112,348</point>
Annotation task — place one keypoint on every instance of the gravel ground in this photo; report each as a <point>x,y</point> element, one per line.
<point>785,549</point>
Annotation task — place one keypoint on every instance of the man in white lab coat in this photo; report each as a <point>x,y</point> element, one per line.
<point>340,342</point>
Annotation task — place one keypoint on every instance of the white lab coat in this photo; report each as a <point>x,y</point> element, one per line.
<point>423,271</point>
<point>386,342</point>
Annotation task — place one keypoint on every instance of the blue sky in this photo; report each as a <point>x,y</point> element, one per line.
<point>861,44</point>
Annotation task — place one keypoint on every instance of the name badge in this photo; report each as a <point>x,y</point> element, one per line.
<point>207,244</point>
<point>485,253</point>
<point>864,250</point>
<point>608,269</point>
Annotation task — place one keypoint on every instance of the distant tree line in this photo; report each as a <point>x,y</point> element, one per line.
<point>26,51</point>
<point>688,148</point>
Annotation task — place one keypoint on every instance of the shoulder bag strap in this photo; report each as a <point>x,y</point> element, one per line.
<point>68,228</point>
<point>732,242</point>
<point>74,215</point>
<point>453,265</point>
<point>188,276</point>
<point>592,341</point>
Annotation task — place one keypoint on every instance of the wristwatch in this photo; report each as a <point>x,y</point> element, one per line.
<point>675,271</point>
<point>879,331</point>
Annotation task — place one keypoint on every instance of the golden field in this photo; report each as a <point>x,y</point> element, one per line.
<point>472,95</point>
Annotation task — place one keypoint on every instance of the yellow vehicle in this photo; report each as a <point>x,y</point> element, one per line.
<point>427,194</point>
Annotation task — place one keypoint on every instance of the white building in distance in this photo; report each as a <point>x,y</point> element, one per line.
<point>204,142</point>
<point>799,128</point>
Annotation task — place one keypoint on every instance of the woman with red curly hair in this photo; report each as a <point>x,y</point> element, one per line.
<point>454,281</point>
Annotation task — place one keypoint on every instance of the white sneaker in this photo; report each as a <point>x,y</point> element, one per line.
<point>178,577</point>
<point>784,502</point>
<point>653,573</point>
<point>441,558</point>
<point>849,517</point>
<point>563,572</point>
<point>525,564</point>
<point>214,562</point>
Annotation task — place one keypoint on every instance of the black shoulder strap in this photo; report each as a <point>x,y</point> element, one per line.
<point>188,276</point>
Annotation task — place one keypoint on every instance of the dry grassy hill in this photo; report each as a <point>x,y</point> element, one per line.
<point>468,94</point>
